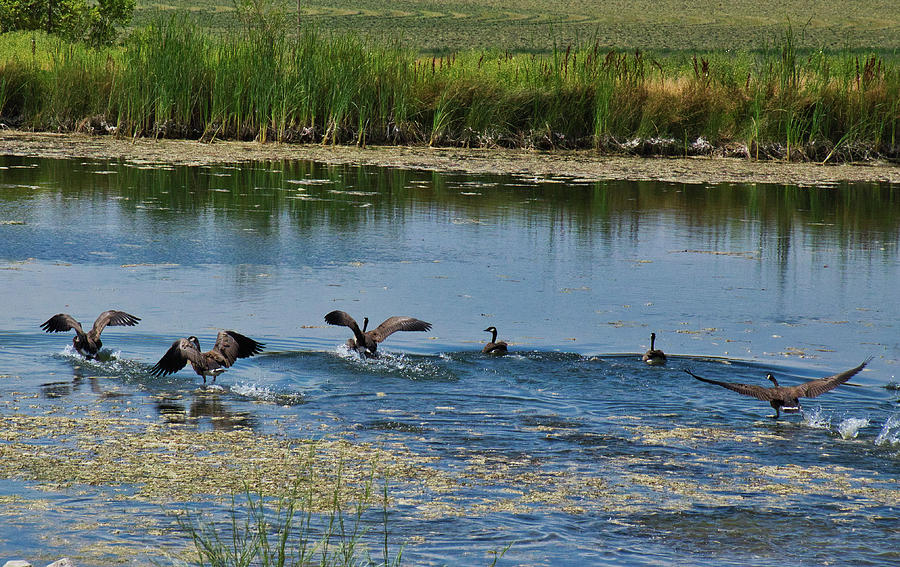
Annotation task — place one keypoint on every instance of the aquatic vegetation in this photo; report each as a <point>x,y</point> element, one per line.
<point>170,79</point>
<point>285,530</point>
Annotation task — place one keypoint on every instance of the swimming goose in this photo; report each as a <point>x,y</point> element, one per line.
<point>494,347</point>
<point>787,397</point>
<point>366,343</point>
<point>654,356</point>
<point>229,347</point>
<point>88,344</point>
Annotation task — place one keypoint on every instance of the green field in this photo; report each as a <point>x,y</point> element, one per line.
<point>532,25</point>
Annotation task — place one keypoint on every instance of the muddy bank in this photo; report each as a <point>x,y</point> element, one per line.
<point>581,165</point>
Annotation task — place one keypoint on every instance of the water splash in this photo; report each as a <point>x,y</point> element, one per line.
<point>849,428</point>
<point>265,394</point>
<point>107,363</point>
<point>890,432</point>
<point>816,418</point>
<point>412,367</point>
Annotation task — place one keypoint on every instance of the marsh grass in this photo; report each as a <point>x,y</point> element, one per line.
<point>169,79</point>
<point>294,529</point>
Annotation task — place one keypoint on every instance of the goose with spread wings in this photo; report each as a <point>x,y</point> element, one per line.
<point>229,347</point>
<point>787,398</point>
<point>366,342</point>
<point>88,344</point>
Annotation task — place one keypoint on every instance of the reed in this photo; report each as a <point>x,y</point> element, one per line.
<point>294,529</point>
<point>171,79</point>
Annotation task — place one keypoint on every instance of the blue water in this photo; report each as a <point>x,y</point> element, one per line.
<point>570,448</point>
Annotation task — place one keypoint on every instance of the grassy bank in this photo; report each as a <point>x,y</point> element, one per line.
<point>172,80</point>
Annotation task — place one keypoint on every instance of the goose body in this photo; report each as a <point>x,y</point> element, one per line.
<point>366,342</point>
<point>654,356</point>
<point>229,347</point>
<point>88,344</point>
<point>495,346</point>
<point>787,398</point>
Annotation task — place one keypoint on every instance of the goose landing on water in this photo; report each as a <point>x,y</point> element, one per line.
<point>229,347</point>
<point>366,342</point>
<point>88,344</point>
<point>787,398</point>
<point>654,356</point>
<point>495,346</point>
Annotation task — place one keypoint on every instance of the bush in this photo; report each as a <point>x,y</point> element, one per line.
<point>71,19</point>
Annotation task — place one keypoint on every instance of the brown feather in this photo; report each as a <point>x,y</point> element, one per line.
<point>785,396</point>
<point>60,323</point>
<point>88,343</point>
<point>393,324</point>
<point>229,346</point>
<point>113,318</point>
<point>367,342</point>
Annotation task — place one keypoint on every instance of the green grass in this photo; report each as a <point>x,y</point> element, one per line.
<point>171,78</point>
<point>297,529</point>
<point>532,25</point>
<point>291,530</point>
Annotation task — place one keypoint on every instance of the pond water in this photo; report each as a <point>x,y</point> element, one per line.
<point>569,448</point>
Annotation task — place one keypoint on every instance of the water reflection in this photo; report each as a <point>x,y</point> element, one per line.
<point>311,198</point>
<point>561,446</point>
<point>206,408</point>
<point>95,383</point>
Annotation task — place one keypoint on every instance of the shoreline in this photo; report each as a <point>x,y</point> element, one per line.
<point>581,165</point>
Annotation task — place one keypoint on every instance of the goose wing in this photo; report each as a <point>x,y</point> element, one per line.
<point>752,390</point>
<point>176,358</point>
<point>495,347</point>
<point>814,388</point>
<point>394,324</point>
<point>114,318</point>
<point>341,318</point>
<point>231,346</point>
<point>60,323</point>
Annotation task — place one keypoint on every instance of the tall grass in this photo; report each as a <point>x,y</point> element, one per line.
<point>294,529</point>
<point>170,79</point>
<point>298,529</point>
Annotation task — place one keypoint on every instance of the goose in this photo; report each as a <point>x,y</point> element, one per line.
<point>88,344</point>
<point>494,347</point>
<point>787,398</point>
<point>366,342</point>
<point>654,356</point>
<point>229,347</point>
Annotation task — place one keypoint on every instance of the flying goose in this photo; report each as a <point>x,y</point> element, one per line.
<point>88,344</point>
<point>229,347</point>
<point>654,356</point>
<point>366,342</point>
<point>494,347</point>
<point>787,397</point>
